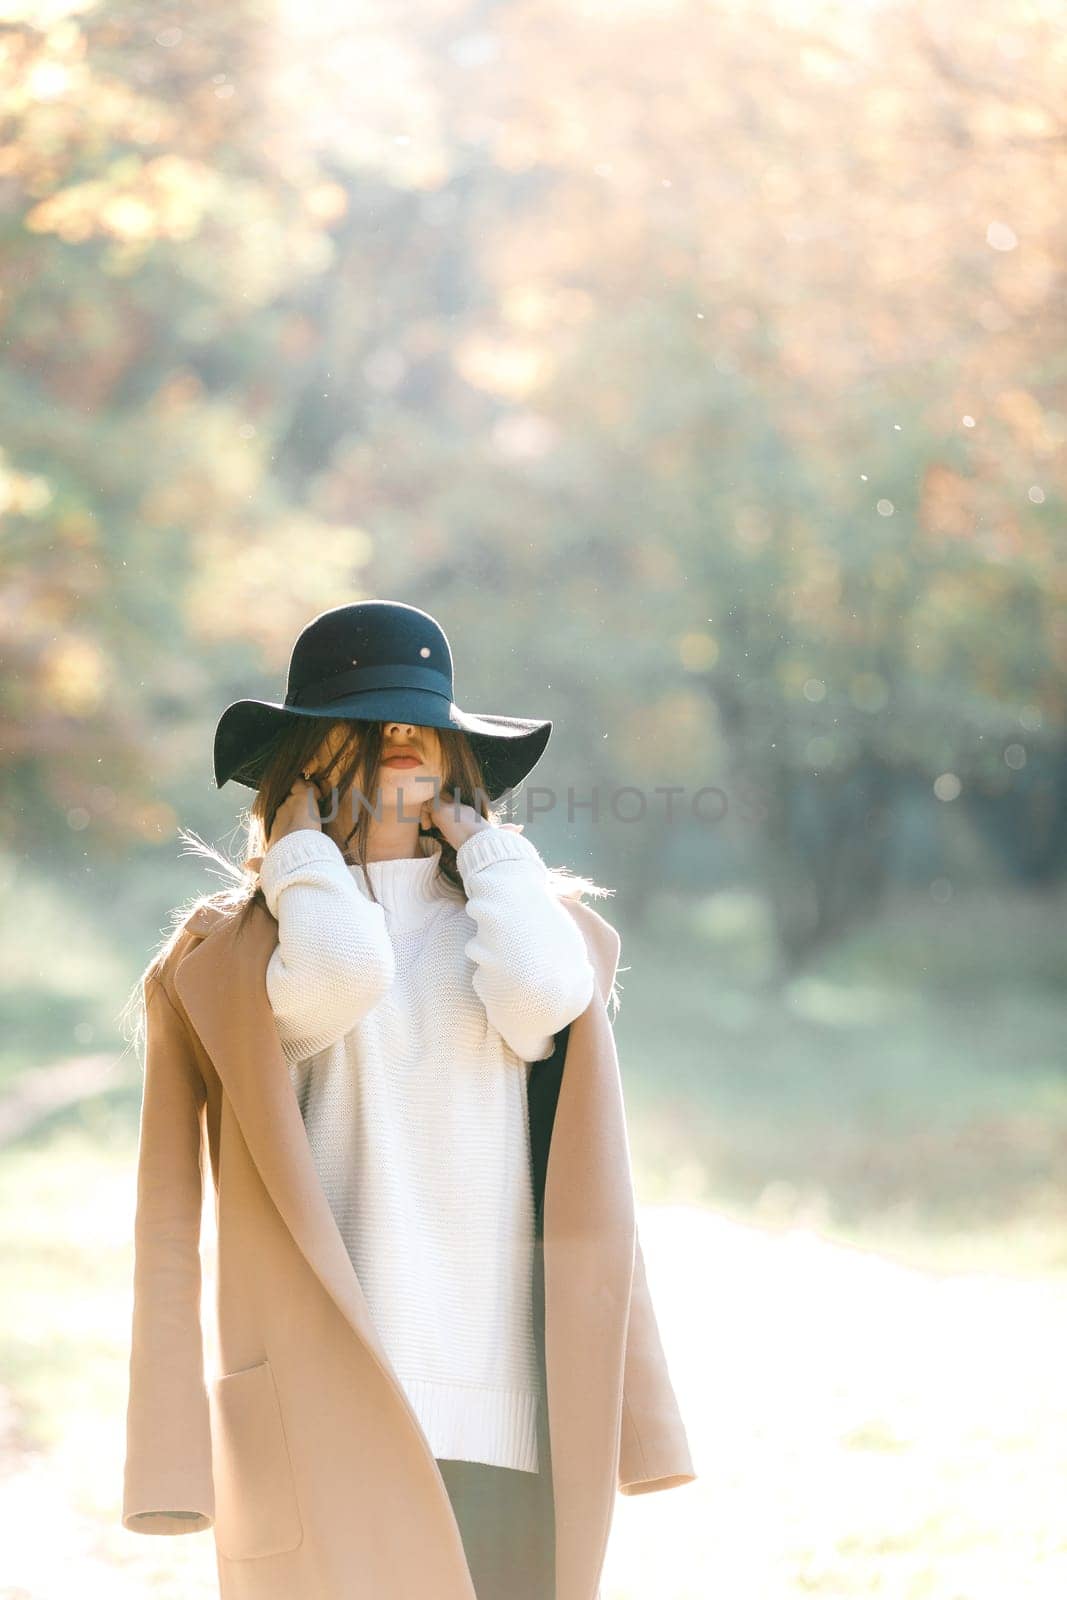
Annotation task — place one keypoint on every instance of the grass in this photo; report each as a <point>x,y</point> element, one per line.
<point>910,1085</point>
<point>851,1194</point>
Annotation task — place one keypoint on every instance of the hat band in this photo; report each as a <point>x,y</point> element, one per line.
<point>340,684</point>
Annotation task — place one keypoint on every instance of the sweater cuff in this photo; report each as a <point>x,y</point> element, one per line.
<point>494,844</point>
<point>289,855</point>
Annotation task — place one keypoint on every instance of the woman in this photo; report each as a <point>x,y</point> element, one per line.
<point>425,961</point>
<point>409,1033</point>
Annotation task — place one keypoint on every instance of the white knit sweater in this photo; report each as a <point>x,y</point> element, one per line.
<point>407,1026</point>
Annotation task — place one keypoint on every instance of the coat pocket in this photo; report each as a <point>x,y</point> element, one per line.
<point>256,1511</point>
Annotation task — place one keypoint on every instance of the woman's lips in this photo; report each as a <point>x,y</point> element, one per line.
<point>401,761</point>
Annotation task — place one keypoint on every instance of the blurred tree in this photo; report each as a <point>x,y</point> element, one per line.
<point>703,370</point>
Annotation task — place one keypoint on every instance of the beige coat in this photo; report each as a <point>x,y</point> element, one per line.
<point>304,1454</point>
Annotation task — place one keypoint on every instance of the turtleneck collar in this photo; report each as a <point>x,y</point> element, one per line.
<point>407,889</point>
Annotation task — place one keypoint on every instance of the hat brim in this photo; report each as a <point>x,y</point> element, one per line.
<point>507,748</point>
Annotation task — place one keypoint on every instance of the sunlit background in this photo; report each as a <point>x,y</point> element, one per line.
<point>701,367</point>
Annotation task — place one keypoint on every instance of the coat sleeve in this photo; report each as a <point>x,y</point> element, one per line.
<point>654,1449</point>
<point>168,1478</point>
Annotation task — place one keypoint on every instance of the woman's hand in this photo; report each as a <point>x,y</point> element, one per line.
<point>299,809</point>
<point>456,823</point>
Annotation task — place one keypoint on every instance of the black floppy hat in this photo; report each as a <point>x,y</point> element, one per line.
<point>375,661</point>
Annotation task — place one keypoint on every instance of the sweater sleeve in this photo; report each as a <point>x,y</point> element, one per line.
<point>334,959</point>
<point>532,969</point>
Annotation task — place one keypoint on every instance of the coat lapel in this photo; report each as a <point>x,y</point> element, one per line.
<point>222,985</point>
<point>589,1245</point>
<point>588,1214</point>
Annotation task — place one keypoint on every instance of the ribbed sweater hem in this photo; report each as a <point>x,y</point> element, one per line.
<point>468,1422</point>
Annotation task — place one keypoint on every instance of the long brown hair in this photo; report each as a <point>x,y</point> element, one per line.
<point>358,757</point>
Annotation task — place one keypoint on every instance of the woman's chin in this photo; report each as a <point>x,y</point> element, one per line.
<point>400,786</point>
